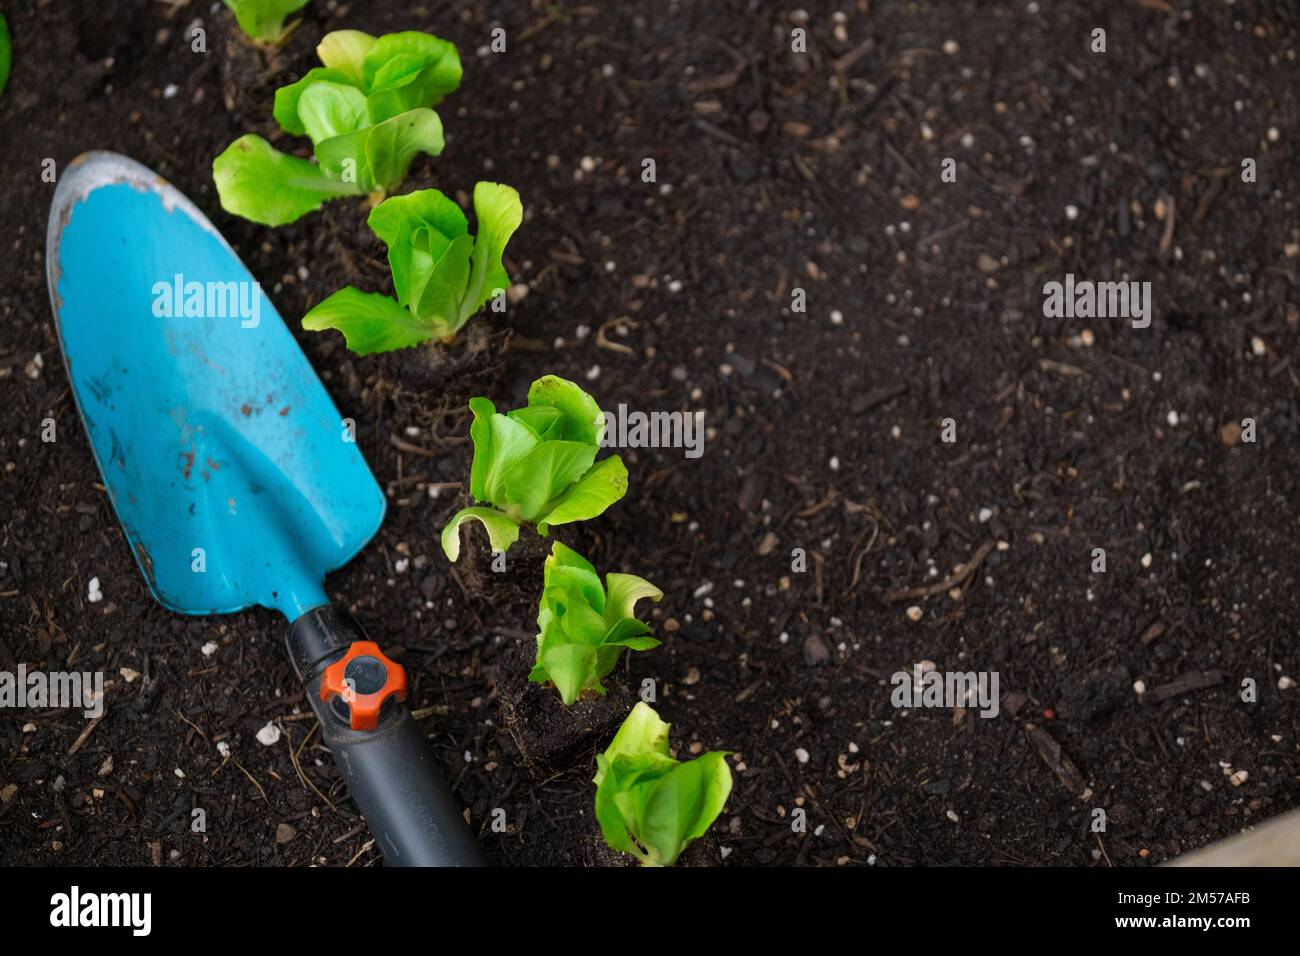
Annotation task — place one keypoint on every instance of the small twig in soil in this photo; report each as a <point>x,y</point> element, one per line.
<point>1153,632</point>
<point>803,168</point>
<point>253,779</point>
<point>68,825</point>
<point>1207,200</point>
<point>410,449</point>
<point>441,710</point>
<point>540,25</point>
<point>355,831</point>
<point>745,694</point>
<point>857,564</point>
<point>781,284</point>
<point>943,233</point>
<point>308,736</point>
<point>656,477</point>
<point>1061,368</point>
<point>81,738</point>
<point>602,341</point>
<point>293,756</point>
<point>786,375</point>
<point>1103,850</point>
<point>406,481</point>
<point>1168,236</point>
<point>831,497</point>
<point>819,574</point>
<point>956,579</point>
<point>464,592</point>
<point>900,159</point>
<point>1057,760</point>
<point>846,60</point>
<point>435,488</point>
<point>190,722</point>
<point>1195,680</point>
<point>704,126</point>
<point>879,396</point>
<point>364,847</point>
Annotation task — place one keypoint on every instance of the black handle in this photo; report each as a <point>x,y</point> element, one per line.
<point>390,772</point>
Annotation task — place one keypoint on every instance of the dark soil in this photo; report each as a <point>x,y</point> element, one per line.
<point>775,171</point>
<point>549,736</point>
<point>479,571</point>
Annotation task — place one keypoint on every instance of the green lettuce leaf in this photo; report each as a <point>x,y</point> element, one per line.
<point>546,423</point>
<point>367,113</point>
<point>571,569</point>
<point>642,732</point>
<point>581,418</point>
<point>376,158</point>
<point>571,667</point>
<point>650,805</point>
<point>599,488</point>
<point>680,806</point>
<point>610,818</point>
<point>434,260</point>
<point>6,53</point>
<point>499,442</point>
<point>502,530</point>
<point>345,51</point>
<point>393,143</point>
<point>263,20</point>
<point>536,464</point>
<point>369,322</point>
<point>327,109</point>
<point>629,633</point>
<point>543,473</point>
<point>401,71</point>
<point>624,591</point>
<point>288,97</point>
<point>439,270</point>
<point>444,286</point>
<point>343,159</point>
<point>499,213</point>
<point>580,623</point>
<point>258,182</point>
<point>419,230</point>
<point>576,647</point>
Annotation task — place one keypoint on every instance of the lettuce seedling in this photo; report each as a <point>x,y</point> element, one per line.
<point>263,20</point>
<point>6,53</point>
<point>441,273</point>
<point>584,626</point>
<point>650,805</point>
<point>537,465</point>
<point>367,114</point>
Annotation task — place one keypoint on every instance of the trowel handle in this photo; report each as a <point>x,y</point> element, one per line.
<point>359,696</point>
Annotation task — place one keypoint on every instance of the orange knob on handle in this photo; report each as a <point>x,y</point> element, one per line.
<point>364,678</point>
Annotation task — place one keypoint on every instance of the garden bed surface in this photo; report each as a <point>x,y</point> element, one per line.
<point>775,171</point>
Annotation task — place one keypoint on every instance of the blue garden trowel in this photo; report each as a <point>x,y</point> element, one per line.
<point>236,479</point>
